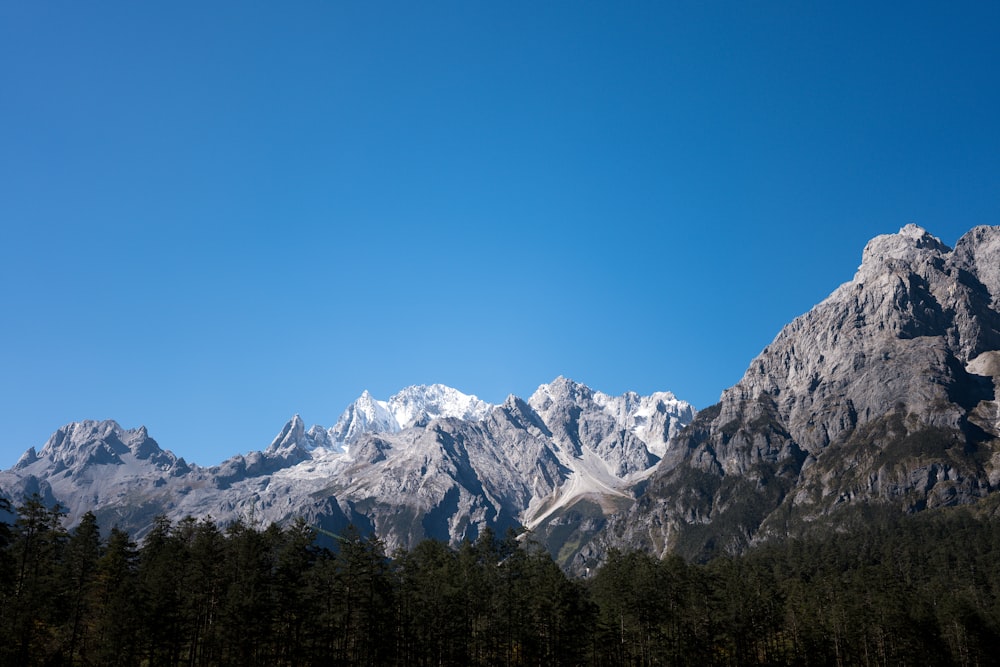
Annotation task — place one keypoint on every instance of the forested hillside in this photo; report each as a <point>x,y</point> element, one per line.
<point>890,591</point>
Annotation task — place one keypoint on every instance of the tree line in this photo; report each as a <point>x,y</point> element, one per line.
<point>916,590</point>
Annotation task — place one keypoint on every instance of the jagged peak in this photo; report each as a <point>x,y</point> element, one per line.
<point>979,251</point>
<point>514,404</point>
<point>913,231</point>
<point>88,426</point>
<point>432,393</point>
<point>561,388</point>
<point>26,459</point>
<point>886,252</point>
<point>875,364</point>
<point>416,404</point>
<point>910,242</point>
<point>426,391</point>
<point>319,435</point>
<point>292,428</point>
<point>366,403</point>
<point>512,401</point>
<point>654,419</point>
<point>79,433</point>
<point>518,411</point>
<point>561,381</point>
<point>78,445</point>
<point>980,235</point>
<point>290,435</point>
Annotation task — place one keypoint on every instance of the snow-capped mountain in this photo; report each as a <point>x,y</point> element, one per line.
<point>413,406</point>
<point>429,462</point>
<point>884,395</point>
<point>653,419</point>
<point>364,415</point>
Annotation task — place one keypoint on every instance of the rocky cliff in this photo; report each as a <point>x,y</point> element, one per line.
<point>883,394</point>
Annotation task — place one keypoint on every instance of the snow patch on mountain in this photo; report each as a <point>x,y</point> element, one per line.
<point>607,442</point>
<point>364,415</point>
<point>429,462</point>
<point>421,404</point>
<point>413,406</point>
<point>653,419</point>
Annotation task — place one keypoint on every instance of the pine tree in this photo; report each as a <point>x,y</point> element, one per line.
<point>78,577</point>
<point>246,617</point>
<point>363,588</point>
<point>163,559</point>
<point>36,608</point>
<point>293,602</point>
<point>115,629</point>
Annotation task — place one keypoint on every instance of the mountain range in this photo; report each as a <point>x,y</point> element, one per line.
<point>883,396</point>
<point>429,462</point>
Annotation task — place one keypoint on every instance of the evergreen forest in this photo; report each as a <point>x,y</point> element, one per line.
<point>915,590</point>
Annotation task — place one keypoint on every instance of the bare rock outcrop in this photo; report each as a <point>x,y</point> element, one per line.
<point>884,393</point>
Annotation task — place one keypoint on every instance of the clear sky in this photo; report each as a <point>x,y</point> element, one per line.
<point>217,214</point>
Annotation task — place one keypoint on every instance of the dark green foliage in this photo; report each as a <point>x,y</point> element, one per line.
<point>112,635</point>
<point>36,549</point>
<point>902,591</point>
<point>881,589</point>
<point>192,594</point>
<point>78,579</point>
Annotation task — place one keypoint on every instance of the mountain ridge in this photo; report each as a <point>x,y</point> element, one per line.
<point>883,394</point>
<point>444,464</point>
<point>869,397</point>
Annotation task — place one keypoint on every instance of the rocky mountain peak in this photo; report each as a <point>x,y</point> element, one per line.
<point>978,251</point>
<point>653,419</point>
<point>416,405</point>
<point>906,244</point>
<point>294,444</point>
<point>517,412</point>
<point>906,250</point>
<point>88,442</point>
<point>96,454</point>
<point>560,390</point>
<point>865,398</point>
<point>291,435</point>
<point>366,402</point>
<point>419,404</point>
<point>364,415</point>
<point>319,437</point>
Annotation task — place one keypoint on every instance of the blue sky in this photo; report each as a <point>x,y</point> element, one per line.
<point>216,215</point>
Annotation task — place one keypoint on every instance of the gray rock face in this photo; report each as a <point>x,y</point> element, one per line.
<point>885,392</point>
<point>79,447</point>
<point>630,430</point>
<point>92,465</point>
<point>430,462</point>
